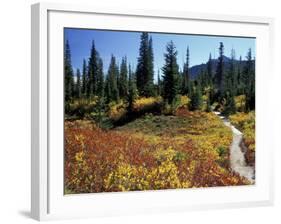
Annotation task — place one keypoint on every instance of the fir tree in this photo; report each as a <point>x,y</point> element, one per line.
<point>203,79</point>
<point>159,84</point>
<point>84,78</point>
<point>239,77</point>
<point>100,79</point>
<point>210,79</point>
<point>248,78</point>
<point>93,71</point>
<point>100,91</point>
<point>180,81</point>
<point>210,70</point>
<point>171,73</point>
<point>196,98</point>
<point>149,87</point>
<point>132,89</point>
<point>68,74</point>
<point>144,71</point>
<point>229,107</point>
<point>112,92</point>
<point>186,78</point>
<point>230,87</point>
<point>123,84</point>
<point>219,76</point>
<point>230,79</point>
<point>78,84</point>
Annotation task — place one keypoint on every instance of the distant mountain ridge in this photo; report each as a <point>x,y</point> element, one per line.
<point>195,70</point>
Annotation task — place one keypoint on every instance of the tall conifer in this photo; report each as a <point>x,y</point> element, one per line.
<point>78,84</point>
<point>68,74</point>
<point>84,78</point>
<point>93,71</point>
<point>186,78</point>
<point>219,76</point>
<point>123,85</point>
<point>171,73</point>
<point>144,70</point>
<point>112,92</point>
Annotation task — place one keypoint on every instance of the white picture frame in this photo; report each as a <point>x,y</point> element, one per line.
<point>47,199</point>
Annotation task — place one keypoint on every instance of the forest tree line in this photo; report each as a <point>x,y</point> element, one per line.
<point>218,83</point>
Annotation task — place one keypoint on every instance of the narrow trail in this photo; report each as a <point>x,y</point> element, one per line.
<point>237,157</point>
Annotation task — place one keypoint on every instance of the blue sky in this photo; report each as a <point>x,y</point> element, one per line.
<point>120,43</point>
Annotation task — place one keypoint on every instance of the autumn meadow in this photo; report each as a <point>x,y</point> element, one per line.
<point>140,115</point>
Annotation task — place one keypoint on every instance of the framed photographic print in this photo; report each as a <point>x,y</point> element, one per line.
<point>139,111</point>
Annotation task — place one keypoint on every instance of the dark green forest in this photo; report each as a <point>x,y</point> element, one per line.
<point>220,81</point>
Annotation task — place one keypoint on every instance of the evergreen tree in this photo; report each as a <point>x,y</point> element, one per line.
<point>171,73</point>
<point>93,71</point>
<point>123,85</point>
<point>210,79</point>
<point>84,78</point>
<point>78,84</point>
<point>88,82</point>
<point>248,78</point>
<point>68,74</point>
<point>196,98</point>
<point>203,79</point>
<point>132,89</point>
<point>144,71</point>
<point>180,81</point>
<point>210,70</point>
<point>100,91</point>
<point>229,107</point>
<point>252,100</point>
<point>118,77</point>
<point>149,87</point>
<point>186,81</point>
<point>238,77</point>
<point>159,84</point>
<point>219,76</point>
<point>230,85</point>
<point>230,79</point>
<point>100,79</point>
<point>112,92</point>
<point>233,71</point>
<point>245,74</point>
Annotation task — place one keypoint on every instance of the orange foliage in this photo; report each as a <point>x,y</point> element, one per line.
<point>120,160</point>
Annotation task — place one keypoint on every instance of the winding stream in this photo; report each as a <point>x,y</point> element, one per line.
<point>237,157</point>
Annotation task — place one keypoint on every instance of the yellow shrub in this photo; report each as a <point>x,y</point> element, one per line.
<point>128,177</point>
<point>184,101</point>
<point>81,107</point>
<point>166,176</point>
<point>165,154</point>
<point>245,122</point>
<point>79,156</point>
<point>240,102</point>
<point>143,102</point>
<point>117,110</point>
